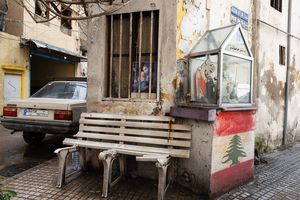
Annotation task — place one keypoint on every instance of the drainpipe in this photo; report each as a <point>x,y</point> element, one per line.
<point>287,82</point>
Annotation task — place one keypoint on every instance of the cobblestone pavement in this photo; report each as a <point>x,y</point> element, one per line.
<point>39,183</point>
<point>279,179</point>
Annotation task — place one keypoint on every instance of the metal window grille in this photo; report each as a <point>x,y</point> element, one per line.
<point>67,23</point>
<point>281,55</point>
<point>41,10</point>
<point>133,55</point>
<point>2,22</point>
<point>277,4</point>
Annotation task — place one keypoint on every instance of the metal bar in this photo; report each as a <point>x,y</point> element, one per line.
<point>111,53</point>
<point>237,55</point>
<point>192,55</point>
<point>120,55</point>
<point>140,52</point>
<point>288,75</point>
<point>219,82</point>
<point>130,54</point>
<point>280,30</point>
<point>158,60</point>
<point>151,49</point>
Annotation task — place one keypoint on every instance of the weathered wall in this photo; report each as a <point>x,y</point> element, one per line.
<point>14,18</point>
<point>196,17</point>
<point>194,173</point>
<point>272,75</point>
<point>98,70</point>
<point>294,92</point>
<point>232,151</point>
<point>50,32</point>
<point>270,86</point>
<point>178,32</point>
<point>17,62</point>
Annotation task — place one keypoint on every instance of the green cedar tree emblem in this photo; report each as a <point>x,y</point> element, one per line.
<point>234,151</point>
<point>7,194</point>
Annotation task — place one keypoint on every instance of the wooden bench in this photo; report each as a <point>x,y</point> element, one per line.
<point>148,138</point>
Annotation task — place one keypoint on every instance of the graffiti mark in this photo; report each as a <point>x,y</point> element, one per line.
<point>11,85</point>
<point>187,177</point>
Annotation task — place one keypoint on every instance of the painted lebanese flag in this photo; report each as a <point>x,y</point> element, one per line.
<point>233,151</point>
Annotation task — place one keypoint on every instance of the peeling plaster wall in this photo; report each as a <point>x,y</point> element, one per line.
<point>97,73</point>
<point>294,91</point>
<point>194,173</point>
<point>270,101</point>
<point>293,126</point>
<point>194,17</point>
<point>50,32</point>
<point>191,22</point>
<point>272,75</point>
<point>13,56</point>
<point>178,32</point>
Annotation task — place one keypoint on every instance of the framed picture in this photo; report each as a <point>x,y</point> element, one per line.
<point>140,79</point>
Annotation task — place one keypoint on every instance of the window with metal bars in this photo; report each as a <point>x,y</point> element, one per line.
<point>67,23</point>
<point>277,4</point>
<point>133,55</point>
<point>41,9</point>
<point>281,55</point>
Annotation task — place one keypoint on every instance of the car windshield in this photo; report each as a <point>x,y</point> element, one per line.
<point>63,90</point>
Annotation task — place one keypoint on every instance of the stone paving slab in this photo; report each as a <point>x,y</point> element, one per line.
<point>279,179</point>
<point>38,183</point>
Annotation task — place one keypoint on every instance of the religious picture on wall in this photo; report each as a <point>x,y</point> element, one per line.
<point>205,82</point>
<point>141,78</point>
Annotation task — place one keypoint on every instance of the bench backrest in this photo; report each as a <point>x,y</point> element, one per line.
<point>144,133</point>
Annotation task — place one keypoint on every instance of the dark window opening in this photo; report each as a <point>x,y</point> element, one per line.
<point>281,55</point>
<point>277,4</point>
<point>67,23</point>
<point>133,55</point>
<point>41,9</point>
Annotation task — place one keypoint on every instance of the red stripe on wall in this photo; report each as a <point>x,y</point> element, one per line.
<point>228,123</point>
<point>229,178</point>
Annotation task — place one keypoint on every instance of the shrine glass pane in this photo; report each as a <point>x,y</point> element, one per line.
<point>236,80</point>
<point>238,45</point>
<point>203,79</point>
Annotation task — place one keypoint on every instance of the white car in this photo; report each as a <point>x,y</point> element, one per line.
<point>55,109</point>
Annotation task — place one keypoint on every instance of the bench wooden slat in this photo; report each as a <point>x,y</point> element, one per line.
<point>129,117</point>
<point>135,124</point>
<point>144,140</point>
<point>130,149</point>
<point>131,131</point>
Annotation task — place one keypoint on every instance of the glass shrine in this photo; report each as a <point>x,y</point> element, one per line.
<point>221,69</point>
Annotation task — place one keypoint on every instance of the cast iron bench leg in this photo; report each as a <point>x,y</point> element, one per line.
<point>162,166</point>
<point>122,162</point>
<point>82,158</point>
<point>107,158</point>
<point>62,157</point>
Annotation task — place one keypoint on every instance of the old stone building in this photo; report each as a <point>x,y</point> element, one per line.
<point>141,62</point>
<point>33,54</point>
<point>276,45</point>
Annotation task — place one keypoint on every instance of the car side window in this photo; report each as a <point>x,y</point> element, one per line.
<point>80,92</point>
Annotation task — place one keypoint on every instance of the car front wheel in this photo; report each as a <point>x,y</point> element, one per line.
<point>33,138</point>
